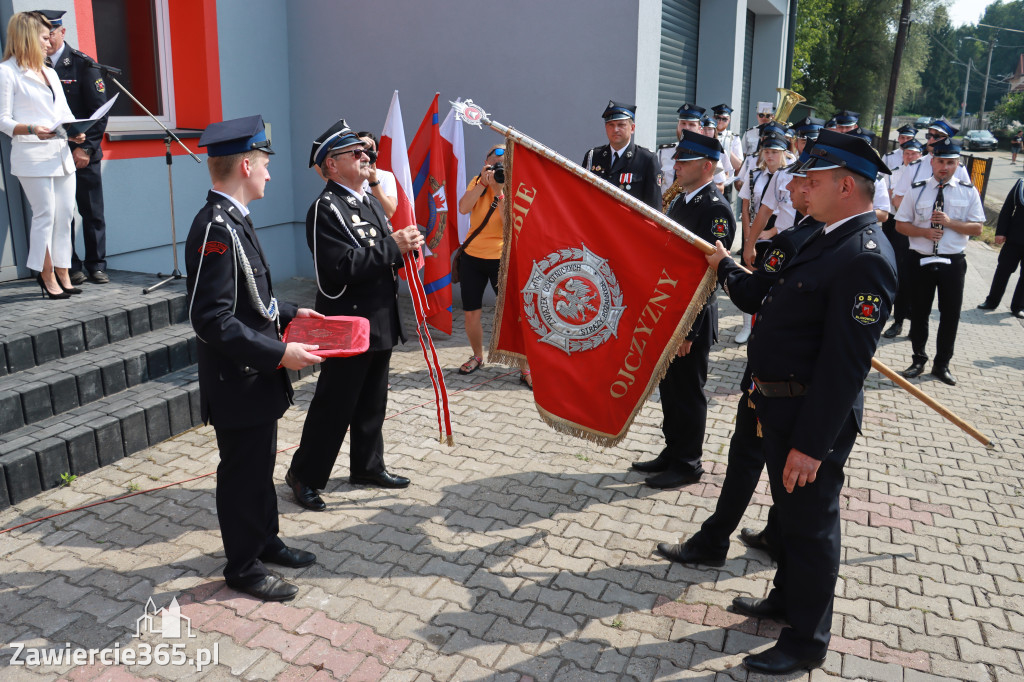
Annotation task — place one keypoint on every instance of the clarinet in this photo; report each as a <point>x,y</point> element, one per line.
<point>750,204</point>
<point>939,205</point>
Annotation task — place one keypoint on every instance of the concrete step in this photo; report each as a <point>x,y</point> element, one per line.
<point>63,384</point>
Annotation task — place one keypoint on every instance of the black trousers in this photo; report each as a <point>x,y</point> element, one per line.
<point>1010,256</point>
<point>948,281</point>
<point>89,196</point>
<point>742,474</point>
<point>685,408</point>
<point>810,540</point>
<point>901,246</point>
<point>247,500</point>
<point>351,393</point>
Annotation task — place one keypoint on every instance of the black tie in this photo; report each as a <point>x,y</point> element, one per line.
<point>248,220</point>
<point>615,159</point>
<point>48,62</point>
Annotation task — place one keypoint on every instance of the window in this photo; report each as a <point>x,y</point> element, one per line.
<point>134,35</point>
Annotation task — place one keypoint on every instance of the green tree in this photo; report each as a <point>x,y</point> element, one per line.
<point>1009,109</point>
<point>941,80</point>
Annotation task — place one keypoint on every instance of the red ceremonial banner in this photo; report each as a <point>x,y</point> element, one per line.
<point>596,297</point>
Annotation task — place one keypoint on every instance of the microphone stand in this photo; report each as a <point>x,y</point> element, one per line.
<point>110,72</point>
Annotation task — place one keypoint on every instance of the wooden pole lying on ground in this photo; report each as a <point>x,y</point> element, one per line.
<point>931,402</point>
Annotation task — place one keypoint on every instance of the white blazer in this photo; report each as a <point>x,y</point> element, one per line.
<point>26,99</point>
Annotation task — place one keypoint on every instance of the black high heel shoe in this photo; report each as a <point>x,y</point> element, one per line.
<point>68,290</point>
<point>47,293</point>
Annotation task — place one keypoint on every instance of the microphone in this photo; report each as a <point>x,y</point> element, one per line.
<point>105,69</point>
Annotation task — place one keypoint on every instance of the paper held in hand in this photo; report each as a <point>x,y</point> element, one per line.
<point>72,127</point>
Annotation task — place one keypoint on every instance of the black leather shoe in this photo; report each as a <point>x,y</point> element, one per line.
<point>757,540</point>
<point>985,305</point>
<point>652,466</point>
<point>673,479</point>
<point>304,495</point>
<point>78,277</point>
<point>915,370</point>
<point>943,374</point>
<point>99,277</point>
<point>271,588</point>
<point>757,608</point>
<point>894,330</point>
<point>384,479</point>
<point>289,557</point>
<point>689,554</point>
<point>774,661</point>
<point>1019,314</point>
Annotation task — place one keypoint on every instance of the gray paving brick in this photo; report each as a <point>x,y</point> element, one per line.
<point>22,474</point>
<point>19,353</point>
<point>52,459</point>
<point>45,345</point>
<point>95,332</point>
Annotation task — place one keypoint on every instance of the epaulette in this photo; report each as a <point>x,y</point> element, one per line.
<point>914,163</point>
<point>868,242</point>
<point>219,213</point>
<point>966,183</point>
<point>918,183</point>
<point>894,169</point>
<point>667,145</point>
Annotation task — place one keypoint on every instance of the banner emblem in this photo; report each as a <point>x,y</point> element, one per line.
<point>867,308</point>
<point>572,300</point>
<point>773,263</point>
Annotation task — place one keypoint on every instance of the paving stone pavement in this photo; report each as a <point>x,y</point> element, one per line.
<point>522,554</point>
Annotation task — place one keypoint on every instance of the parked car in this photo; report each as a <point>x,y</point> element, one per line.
<point>980,140</point>
<point>922,122</point>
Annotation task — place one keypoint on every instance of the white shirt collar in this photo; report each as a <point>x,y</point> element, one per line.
<point>357,193</point>
<point>694,192</point>
<point>829,228</point>
<point>55,57</point>
<point>241,208</point>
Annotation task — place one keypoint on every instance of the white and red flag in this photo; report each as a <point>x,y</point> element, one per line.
<point>393,156</point>
<point>454,149</point>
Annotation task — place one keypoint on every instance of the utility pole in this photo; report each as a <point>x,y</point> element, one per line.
<point>984,89</point>
<point>963,102</point>
<point>894,76</point>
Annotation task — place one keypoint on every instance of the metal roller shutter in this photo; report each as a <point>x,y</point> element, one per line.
<point>748,65</point>
<point>677,79</point>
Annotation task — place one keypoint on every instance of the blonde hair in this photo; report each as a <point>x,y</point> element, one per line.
<point>23,39</point>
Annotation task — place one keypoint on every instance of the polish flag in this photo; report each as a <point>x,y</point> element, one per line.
<point>455,166</point>
<point>393,156</point>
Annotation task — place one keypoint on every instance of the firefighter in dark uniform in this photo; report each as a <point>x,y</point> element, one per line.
<point>810,352</point>
<point>709,545</point>
<point>622,162</point>
<point>356,258</point>
<point>238,322</point>
<point>702,209</point>
<point>86,92</point>
<point>1010,234</point>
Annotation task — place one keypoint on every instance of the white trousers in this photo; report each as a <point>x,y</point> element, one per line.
<point>53,206</point>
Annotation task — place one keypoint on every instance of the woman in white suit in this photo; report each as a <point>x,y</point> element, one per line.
<point>31,103</point>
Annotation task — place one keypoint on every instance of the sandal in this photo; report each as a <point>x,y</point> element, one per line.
<point>468,368</point>
<point>525,379</point>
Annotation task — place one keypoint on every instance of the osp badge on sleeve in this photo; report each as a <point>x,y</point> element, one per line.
<point>867,308</point>
<point>720,228</point>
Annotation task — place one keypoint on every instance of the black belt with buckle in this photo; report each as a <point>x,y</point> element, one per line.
<point>780,389</point>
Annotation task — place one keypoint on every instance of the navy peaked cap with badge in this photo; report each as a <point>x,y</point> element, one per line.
<point>913,144</point>
<point>707,122</point>
<point>943,127</point>
<point>808,126</point>
<point>839,150</point>
<point>338,135</point>
<point>864,134</point>
<point>771,128</point>
<point>237,136</point>
<point>616,111</point>
<point>694,146</point>
<point>847,117</point>
<point>722,109</point>
<point>775,140</point>
<point>55,17</point>
<point>945,149</point>
<point>796,168</point>
<point>831,124</point>
<point>690,112</point>
<point>907,130</point>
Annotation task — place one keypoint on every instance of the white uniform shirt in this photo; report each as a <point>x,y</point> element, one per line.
<point>881,201</point>
<point>750,139</point>
<point>388,184</point>
<point>777,198</point>
<point>894,159</point>
<point>761,182</point>
<point>743,174</point>
<point>922,172</point>
<point>961,201</point>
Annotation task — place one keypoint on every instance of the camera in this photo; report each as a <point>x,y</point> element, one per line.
<point>499,172</point>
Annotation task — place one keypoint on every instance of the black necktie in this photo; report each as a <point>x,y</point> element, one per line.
<point>48,62</point>
<point>615,159</point>
<point>248,221</point>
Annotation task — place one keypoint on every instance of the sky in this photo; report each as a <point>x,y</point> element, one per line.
<point>967,11</point>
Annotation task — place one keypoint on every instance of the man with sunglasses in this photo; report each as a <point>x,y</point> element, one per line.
<point>765,115</point>
<point>689,118</point>
<point>938,130</point>
<point>356,257</point>
<point>622,162</point>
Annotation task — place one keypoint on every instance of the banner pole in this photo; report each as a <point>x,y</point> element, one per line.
<point>474,115</point>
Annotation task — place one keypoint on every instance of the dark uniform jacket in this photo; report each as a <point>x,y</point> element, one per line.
<point>637,171</point>
<point>356,262</point>
<point>240,384</point>
<point>748,290</point>
<point>1011,216</point>
<point>708,216</point>
<point>86,92</point>
<point>819,326</point>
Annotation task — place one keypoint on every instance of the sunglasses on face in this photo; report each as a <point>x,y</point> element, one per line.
<point>933,136</point>
<point>764,115</point>
<point>496,152</point>
<point>721,118</point>
<point>353,152</point>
